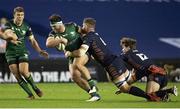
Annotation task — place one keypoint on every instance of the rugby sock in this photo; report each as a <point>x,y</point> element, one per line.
<point>91,83</point>
<point>162,93</point>
<point>25,87</point>
<point>31,82</point>
<point>138,92</point>
<point>94,94</point>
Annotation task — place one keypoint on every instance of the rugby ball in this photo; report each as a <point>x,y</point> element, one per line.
<point>60,47</point>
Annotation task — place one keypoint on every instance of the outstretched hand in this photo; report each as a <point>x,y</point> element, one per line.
<point>17,42</point>
<point>44,54</point>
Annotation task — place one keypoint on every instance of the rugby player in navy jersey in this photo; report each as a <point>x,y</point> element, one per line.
<point>143,66</point>
<point>114,65</point>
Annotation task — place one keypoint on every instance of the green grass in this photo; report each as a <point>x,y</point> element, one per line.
<point>62,95</point>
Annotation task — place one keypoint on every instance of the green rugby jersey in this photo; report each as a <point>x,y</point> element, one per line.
<point>71,34</point>
<point>22,32</point>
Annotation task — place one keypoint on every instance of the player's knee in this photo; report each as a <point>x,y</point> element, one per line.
<point>78,66</point>
<point>76,76</point>
<point>125,89</point>
<point>123,86</point>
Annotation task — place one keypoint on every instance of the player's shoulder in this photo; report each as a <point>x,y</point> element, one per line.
<point>92,34</point>
<point>70,24</point>
<point>26,24</point>
<point>135,51</point>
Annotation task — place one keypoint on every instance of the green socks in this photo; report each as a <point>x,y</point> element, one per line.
<point>91,83</point>
<point>25,87</point>
<point>31,82</point>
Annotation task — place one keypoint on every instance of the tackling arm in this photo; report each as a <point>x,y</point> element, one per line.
<point>78,53</point>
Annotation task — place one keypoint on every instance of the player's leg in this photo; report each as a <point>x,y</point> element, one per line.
<point>124,87</point>
<point>24,70</point>
<point>157,83</point>
<point>152,86</point>
<point>14,69</point>
<point>76,76</point>
<point>131,79</point>
<point>80,65</point>
<point>118,71</point>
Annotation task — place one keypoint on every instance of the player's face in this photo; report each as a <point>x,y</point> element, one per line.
<point>85,28</point>
<point>57,28</point>
<point>19,17</point>
<point>125,49</point>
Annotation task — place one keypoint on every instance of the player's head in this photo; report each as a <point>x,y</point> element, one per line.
<point>3,21</point>
<point>89,24</point>
<point>19,14</point>
<point>127,44</point>
<point>56,22</point>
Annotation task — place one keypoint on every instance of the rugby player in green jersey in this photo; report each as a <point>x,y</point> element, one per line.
<point>67,34</point>
<point>17,54</point>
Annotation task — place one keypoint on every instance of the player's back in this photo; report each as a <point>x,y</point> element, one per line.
<point>137,58</point>
<point>98,49</point>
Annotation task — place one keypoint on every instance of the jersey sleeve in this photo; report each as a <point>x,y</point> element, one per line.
<point>76,27</point>
<point>87,40</point>
<point>51,34</point>
<point>29,32</point>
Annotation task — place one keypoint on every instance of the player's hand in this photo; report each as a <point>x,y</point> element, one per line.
<point>67,54</point>
<point>64,40</point>
<point>12,38</point>
<point>17,42</point>
<point>118,92</point>
<point>44,54</point>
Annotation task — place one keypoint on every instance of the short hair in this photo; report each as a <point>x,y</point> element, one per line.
<point>55,18</point>
<point>90,21</point>
<point>128,42</point>
<point>18,9</point>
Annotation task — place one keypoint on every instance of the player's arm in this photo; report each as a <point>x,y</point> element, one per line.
<point>54,41</point>
<point>2,36</point>
<point>87,40</point>
<point>79,52</point>
<point>35,45</point>
<point>10,36</point>
<point>7,33</point>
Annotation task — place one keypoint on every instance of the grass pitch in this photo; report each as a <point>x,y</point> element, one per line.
<point>68,95</point>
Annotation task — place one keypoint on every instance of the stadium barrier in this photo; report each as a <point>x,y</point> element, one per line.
<point>56,70</point>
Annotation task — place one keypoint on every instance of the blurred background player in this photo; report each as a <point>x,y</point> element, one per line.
<point>114,65</point>
<point>3,61</point>
<point>17,54</point>
<point>67,34</point>
<point>143,66</point>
